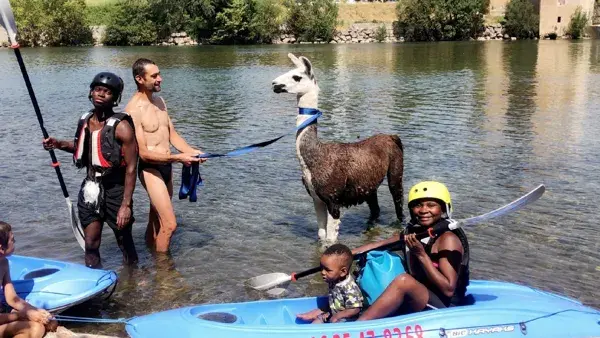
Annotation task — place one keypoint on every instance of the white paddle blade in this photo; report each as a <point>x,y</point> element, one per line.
<point>7,19</point>
<point>513,206</point>
<point>270,280</point>
<point>75,225</point>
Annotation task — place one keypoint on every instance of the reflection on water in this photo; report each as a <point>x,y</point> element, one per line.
<point>491,120</point>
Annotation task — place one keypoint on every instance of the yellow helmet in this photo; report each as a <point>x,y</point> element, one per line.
<point>431,189</point>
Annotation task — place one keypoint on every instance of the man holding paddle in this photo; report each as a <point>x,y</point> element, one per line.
<point>105,146</point>
<point>155,134</point>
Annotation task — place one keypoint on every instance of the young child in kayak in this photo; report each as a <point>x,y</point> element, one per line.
<point>438,266</point>
<point>24,320</point>
<point>345,297</point>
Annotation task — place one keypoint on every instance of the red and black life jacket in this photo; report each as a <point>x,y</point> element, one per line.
<point>104,152</point>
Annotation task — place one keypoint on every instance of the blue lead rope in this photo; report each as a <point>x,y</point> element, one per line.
<point>91,320</point>
<point>190,176</point>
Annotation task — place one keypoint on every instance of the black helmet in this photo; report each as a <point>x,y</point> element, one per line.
<point>110,80</point>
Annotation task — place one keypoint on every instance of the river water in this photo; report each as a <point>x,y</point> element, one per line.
<point>491,120</point>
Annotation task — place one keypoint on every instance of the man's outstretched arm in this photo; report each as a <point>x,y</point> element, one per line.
<point>153,156</point>
<point>179,143</point>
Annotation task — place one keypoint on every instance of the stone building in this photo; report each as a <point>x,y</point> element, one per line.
<point>555,15</point>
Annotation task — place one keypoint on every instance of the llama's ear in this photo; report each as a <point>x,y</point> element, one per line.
<point>295,60</point>
<point>308,67</point>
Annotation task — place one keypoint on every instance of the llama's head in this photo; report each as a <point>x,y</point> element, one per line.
<point>300,80</point>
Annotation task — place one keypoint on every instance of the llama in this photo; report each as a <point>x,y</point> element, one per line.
<point>339,174</point>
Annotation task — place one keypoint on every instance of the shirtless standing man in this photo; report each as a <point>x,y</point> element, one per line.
<point>155,134</point>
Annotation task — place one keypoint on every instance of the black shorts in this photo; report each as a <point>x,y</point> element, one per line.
<point>165,170</point>
<point>107,208</point>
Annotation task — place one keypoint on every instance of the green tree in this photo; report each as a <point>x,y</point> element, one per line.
<point>269,16</point>
<point>51,22</point>
<point>579,20</point>
<point>312,20</point>
<point>67,25</point>
<point>521,19</point>
<point>232,24</point>
<point>132,25</point>
<point>30,19</point>
<point>203,17</point>
<point>434,20</point>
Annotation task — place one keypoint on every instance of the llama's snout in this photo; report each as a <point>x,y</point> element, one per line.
<point>279,88</point>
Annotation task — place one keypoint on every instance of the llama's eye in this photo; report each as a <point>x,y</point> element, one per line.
<point>297,78</point>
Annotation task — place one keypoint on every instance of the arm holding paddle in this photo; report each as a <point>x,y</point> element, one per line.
<point>450,252</point>
<point>51,143</point>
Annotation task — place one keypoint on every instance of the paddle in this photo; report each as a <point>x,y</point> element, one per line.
<point>8,22</point>
<point>271,280</point>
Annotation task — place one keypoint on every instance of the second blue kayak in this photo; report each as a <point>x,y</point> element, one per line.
<point>55,285</point>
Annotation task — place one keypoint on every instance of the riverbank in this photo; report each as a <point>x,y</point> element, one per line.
<point>355,23</point>
<point>355,33</point>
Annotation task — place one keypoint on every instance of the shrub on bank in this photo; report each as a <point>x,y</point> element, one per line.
<point>439,20</point>
<point>579,20</point>
<point>268,17</point>
<point>51,22</point>
<point>521,20</point>
<point>380,33</point>
<point>131,25</point>
<point>142,22</point>
<point>232,24</point>
<point>312,20</point>
<point>100,14</point>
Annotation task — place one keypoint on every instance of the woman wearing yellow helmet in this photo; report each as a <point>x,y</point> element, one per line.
<point>438,265</point>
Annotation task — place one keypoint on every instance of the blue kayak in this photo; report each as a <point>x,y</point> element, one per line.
<point>54,285</point>
<point>498,309</point>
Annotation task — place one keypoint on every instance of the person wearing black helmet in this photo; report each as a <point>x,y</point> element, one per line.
<point>105,146</point>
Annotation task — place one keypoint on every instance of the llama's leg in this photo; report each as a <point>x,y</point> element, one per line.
<point>333,223</point>
<point>394,176</point>
<point>373,207</point>
<point>321,211</point>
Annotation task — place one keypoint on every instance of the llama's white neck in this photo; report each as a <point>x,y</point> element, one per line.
<point>307,100</point>
<point>306,139</point>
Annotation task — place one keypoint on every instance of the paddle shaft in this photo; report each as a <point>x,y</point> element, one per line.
<point>36,107</point>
